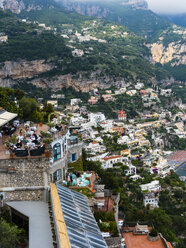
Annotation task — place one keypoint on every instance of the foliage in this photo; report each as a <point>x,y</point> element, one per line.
<point>47,141</point>
<point>153,233</point>
<point>45,134</point>
<point>30,42</point>
<point>104,216</point>
<point>29,106</point>
<point>10,234</point>
<point>76,166</point>
<point>7,99</point>
<point>13,139</point>
<point>85,191</point>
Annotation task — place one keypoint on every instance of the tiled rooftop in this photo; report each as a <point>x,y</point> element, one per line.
<point>141,241</point>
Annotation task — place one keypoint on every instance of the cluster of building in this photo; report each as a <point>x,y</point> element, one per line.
<point>28,181</point>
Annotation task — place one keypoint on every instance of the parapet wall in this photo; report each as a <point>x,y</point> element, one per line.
<point>24,179</point>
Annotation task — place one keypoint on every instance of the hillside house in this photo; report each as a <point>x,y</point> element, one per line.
<point>150,199</point>
<point>154,186</point>
<point>122,115</point>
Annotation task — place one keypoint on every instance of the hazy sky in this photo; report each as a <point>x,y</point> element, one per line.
<point>167,6</point>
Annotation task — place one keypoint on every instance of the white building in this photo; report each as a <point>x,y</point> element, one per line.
<point>4,38</point>
<point>108,162</point>
<point>107,125</point>
<point>75,101</point>
<point>95,147</point>
<point>154,186</point>
<point>96,118</point>
<point>150,199</point>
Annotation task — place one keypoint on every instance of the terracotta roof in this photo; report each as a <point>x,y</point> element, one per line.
<point>125,150</point>
<point>108,158</point>
<point>141,241</point>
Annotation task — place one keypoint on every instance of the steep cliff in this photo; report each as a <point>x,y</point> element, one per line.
<point>23,69</point>
<point>174,53</point>
<point>16,6</point>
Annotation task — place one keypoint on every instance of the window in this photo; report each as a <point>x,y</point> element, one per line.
<point>56,151</point>
<point>57,175</point>
<point>73,157</point>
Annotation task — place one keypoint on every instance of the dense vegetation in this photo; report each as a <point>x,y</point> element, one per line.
<point>11,234</point>
<point>26,108</point>
<point>27,41</point>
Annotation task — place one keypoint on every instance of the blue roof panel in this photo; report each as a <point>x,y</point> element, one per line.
<point>82,228</point>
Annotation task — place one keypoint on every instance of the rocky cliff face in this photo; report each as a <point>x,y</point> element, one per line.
<point>16,6</point>
<point>12,5</point>
<point>11,73</point>
<point>174,52</point>
<point>23,69</point>
<point>85,8</point>
<point>93,8</point>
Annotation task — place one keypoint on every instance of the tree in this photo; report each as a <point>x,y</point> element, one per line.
<point>9,234</point>
<point>28,106</point>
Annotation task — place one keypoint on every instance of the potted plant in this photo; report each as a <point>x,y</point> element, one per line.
<point>47,142</point>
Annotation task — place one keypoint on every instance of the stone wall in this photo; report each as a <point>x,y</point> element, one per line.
<point>77,148</point>
<point>24,179</point>
<point>25,195</point>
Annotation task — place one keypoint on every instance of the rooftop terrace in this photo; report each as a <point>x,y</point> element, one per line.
<point>27,144</point>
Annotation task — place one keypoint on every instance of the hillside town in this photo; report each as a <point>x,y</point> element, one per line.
<point>103,161</point>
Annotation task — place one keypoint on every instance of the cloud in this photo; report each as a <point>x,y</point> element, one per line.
<point>167,6</point>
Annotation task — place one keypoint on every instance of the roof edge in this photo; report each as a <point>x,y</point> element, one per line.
<point>61,228</point>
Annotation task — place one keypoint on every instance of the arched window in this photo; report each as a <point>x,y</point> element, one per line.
<point>57,151</point>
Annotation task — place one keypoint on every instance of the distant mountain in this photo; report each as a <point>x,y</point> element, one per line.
<point>134,14</point>
<point>64,48</point>
<point>179,19</point>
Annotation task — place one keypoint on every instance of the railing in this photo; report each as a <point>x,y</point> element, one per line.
<point>164,241</point>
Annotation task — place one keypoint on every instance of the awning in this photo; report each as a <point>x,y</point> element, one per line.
<point>5,117</point>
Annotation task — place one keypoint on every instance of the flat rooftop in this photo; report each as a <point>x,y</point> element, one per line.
<point>141,241</point>
<point>40,234</point>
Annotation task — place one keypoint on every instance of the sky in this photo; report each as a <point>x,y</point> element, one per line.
<point>167,6</point>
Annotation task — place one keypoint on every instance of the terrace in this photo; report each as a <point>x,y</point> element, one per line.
<point>22,140</point>
<point>138,237</point>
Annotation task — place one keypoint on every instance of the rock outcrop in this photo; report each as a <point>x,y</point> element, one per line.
<point>174,52</point>
<point>23,69</point>
<point>30,72</point>
<point>13,5</point>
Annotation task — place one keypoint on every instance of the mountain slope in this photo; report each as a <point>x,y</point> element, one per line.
<point>73,51</point>
<point>178,19</point>
<point>133,14</point>
<point>166,41</point>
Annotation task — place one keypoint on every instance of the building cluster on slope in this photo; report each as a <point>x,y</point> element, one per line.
<point>28,163</point>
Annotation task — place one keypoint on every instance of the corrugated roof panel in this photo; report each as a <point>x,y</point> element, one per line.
<point>82,228</point>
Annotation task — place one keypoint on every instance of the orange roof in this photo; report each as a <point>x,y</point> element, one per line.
<point>125,150</point>
<point>141,241</point>
<point>170,245</point>
<point>108,158</point>
<point>121,112</point>
<point>94,142</point>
